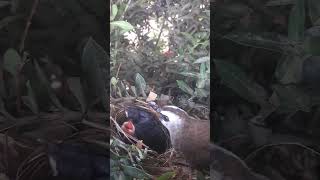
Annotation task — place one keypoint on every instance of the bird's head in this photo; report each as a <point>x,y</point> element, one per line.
<point>128,127</point>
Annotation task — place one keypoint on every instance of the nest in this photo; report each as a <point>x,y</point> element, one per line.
<point>25,146</point>
<point>170,163</point>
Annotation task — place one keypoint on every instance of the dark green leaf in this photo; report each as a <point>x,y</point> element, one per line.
<point>5,21</point>
<point>140,84</point>
<point>311,45</point>
<point>314,10</point>
<point>290,99</point>
<point>166,176</point>
<point>94,66</point>
<point>30,100</point>
<point>202,59</point>
<point>76,88</point>
<point>297,21</point>
<point>135,172</point>
<point>267,41</point>
<point>279,2</point>
<point>11,61</point>
<point>184,87</point>
<point>290,69</point>
<point>45,82</point>
<point>233,77</point>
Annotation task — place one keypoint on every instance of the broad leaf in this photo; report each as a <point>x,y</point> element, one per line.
<point>123,25</point>
<point>314,11</point>
<point>114,11</point>
<point>166,176</point>
<point>202,59</point>
<point>290,69</point>
<point>140,84</point>
<point>30,100</point>
<point>185,87</point>
<point>135,172</point>
<point>297,21</point>
<point>233,77</point>
<point>290,99</point>
<point>11,61</point>
<point>94,66</point>
<point>311,45</point>
<point>267,41</point>
<point>76,88</point>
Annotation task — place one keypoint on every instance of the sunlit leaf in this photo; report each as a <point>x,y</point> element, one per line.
<point>202,78</point>
<point>202,59</point>
<point>114,11</point>
<point>297,21</point>
<point>124,25</point>
<point>190,74</point>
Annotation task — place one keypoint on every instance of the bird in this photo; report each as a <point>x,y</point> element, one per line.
<point>146,126</point>
<point>188,135</point>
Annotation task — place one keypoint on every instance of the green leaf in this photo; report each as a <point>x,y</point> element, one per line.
<point>135,172</point>
<point>279,2</point>
<point>76,88</point>
<point>188,36</point>
<point>314,10</point>
<point>11,61</point>
<point>30,100</point>
<point>94,65</point>
<point>311,45</point>
<point>184,87</point>
<point>201,60</point>
<point>114,10</point>
<point>201,92</point>
<point>290,69</point>
<point>203,76</point>
<point>5,21</point>
<point>297,21</point>
<point>45,82</point>
<point>268,41</point>
<point>233,77</point>
<point>190,74</point>
<point>166,176</point>
<point>114,81</point>
<point>123,25</point>
<point>140,84</point>
<point>290,99</point>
